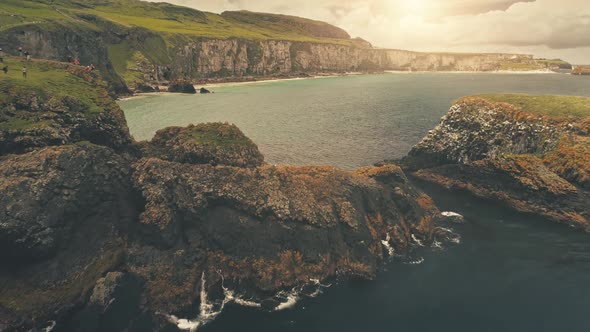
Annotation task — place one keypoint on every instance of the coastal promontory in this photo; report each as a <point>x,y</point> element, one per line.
<point>102,233</point>
<point>527,152</point>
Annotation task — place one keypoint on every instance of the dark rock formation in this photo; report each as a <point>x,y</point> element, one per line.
<point>211,143</point>
<point>48,193</point>
<point>203,90</point>
<point>182,87</point>
<point>146,88</point>
<point>65,212</point>
<point>533,163</point>
<point>268,228</point>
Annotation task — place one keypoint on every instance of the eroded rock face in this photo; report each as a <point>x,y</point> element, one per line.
<point>268,228</point>
<point>207,143</point>
<point>476,129</point>
<point>65,213</point>
<point>534,164</point>
<point>49,193</point>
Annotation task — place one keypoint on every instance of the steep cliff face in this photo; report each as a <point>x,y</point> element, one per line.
<point>222,58</point>
<point>528,152</point>
<point>137,44</point>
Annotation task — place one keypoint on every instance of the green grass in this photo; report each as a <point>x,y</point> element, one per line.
<point>53,84</point>
<point>520,66</point>
<point>217,134</point>
<point>555,106</point>
<point>167,19</point>
<point>49,78</point>
<point>21,124</point>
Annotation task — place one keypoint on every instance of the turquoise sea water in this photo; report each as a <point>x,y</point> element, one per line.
<point>511,272</point>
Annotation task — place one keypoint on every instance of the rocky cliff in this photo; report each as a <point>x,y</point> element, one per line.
<point>137,44</point>
<point>528,152</point>
<point>100,233</point>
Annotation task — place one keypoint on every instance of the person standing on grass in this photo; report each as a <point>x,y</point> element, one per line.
<point>20,51</point>
<point>28,55</point>
<point>25,72</point>
<point>5,70</point>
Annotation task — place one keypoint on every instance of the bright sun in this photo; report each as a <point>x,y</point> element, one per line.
<point>413,6</point>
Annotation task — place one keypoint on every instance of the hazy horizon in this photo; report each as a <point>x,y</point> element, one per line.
<point>544,28</point>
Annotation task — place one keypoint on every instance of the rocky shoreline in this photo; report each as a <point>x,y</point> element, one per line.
<point>100,232</point>
<point>103,233</point>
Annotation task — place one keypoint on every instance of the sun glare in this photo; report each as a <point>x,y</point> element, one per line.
<point>414,7</point>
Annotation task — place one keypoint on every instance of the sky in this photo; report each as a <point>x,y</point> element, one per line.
<point>544,28</point>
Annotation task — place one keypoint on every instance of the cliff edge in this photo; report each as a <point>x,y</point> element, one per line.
<point>528,152</point>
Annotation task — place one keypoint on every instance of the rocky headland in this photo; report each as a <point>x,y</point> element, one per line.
<point>102,233</point>
<point>527,152</point>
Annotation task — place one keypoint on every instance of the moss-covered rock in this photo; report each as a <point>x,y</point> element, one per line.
<point>58,104</point>
<point>208,143</point>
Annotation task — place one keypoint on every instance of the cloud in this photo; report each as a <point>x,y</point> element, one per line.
<point>523,26</point>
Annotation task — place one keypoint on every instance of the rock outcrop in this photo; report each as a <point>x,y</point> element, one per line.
<point>529,160</point>
<point>183,86</point>
<point>212,143</point>
<point>115,235</point>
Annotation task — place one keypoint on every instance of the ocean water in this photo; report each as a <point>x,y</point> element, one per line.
<point>511,272</point>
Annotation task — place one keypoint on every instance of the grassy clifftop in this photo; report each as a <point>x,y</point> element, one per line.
<point>554,106</point>
<point>56,104</point>
<point>168,19</point>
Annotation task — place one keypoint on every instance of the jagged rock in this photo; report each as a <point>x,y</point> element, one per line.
<point>268,228</point>
<point>113,305</point>
<point>203,90</point>
<point>182,87</point>
<point>65,212</point>
<point>476,129</point>
<point>215,143</point>
<point>47,194</point>
<point>532,163</point>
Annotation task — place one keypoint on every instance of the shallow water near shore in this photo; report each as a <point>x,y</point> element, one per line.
<point>511,272</point>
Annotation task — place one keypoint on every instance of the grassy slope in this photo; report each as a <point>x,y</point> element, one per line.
<point>48,80</point>
<point>173,26</point>
<point>162,18</point>
<point>555,106</point>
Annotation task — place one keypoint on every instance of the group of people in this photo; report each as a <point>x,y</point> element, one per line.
<point>27,55</point>
<point>21,53</point>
